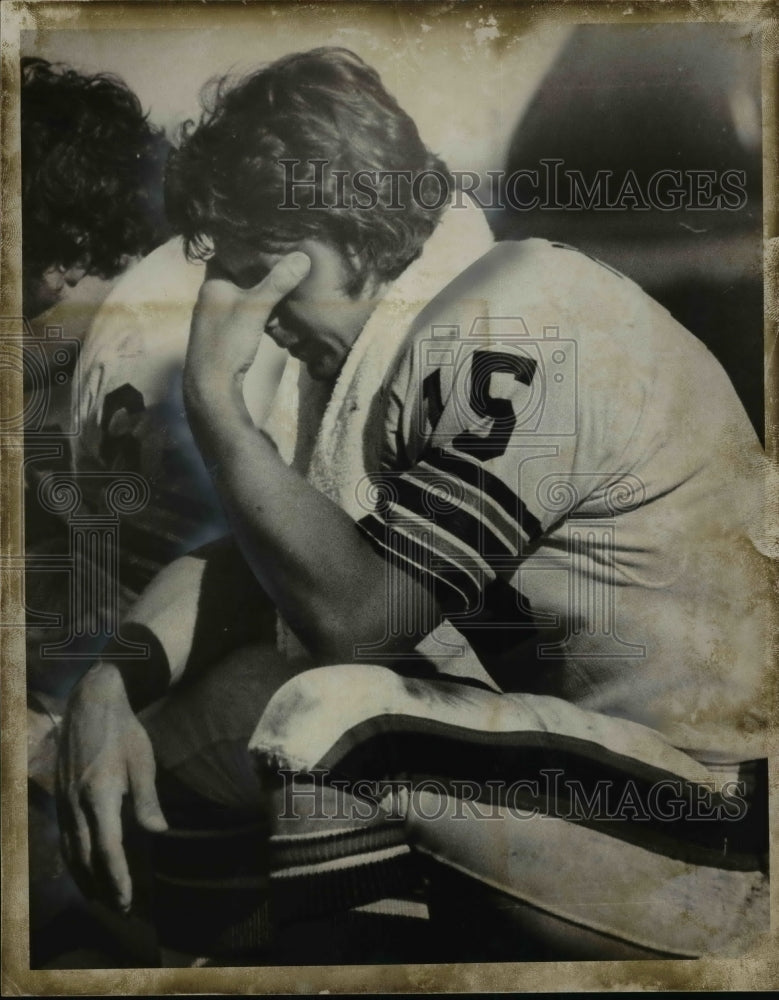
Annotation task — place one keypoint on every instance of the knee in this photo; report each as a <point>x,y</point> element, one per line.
<point>312,710</point>
<point>168,605</point>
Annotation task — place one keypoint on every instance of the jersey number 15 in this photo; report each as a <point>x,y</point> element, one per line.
<point>484,364</point>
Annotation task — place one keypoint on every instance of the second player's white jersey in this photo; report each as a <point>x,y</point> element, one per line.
<point>128,410</point>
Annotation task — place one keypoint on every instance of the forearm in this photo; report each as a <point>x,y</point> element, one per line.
<point>323,575</point>
<point>163,621</point>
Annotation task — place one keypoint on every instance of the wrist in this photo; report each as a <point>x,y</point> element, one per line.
<point>144,677</point>
<point>212,393</point>
<point>215,409</point>
<point>102,684</point>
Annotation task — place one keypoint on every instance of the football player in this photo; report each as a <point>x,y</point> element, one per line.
<point>515,442</point>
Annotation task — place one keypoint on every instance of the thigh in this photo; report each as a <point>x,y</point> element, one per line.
<point>200,731</point>
<point>537,887</point>
<point>599,837</point>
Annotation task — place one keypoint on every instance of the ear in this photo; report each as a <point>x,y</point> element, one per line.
<point>360,282</point>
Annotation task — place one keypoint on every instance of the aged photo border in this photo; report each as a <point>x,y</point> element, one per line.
<point>756,971</point>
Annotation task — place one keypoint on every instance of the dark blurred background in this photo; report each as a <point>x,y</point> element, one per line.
<point>644,98</point>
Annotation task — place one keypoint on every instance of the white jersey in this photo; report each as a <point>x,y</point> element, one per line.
<point>574,475</point>
<point>129,414</point>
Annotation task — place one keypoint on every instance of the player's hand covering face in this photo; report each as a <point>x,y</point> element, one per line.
<point>309,314</point>
<point>228,321</point>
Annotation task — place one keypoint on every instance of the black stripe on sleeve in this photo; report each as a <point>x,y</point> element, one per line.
<point>453,518</point>
<point>478,477</point>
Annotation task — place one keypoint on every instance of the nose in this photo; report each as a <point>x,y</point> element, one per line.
<point>74,274</point>
<point>54,279</point>
<point>277,333</point>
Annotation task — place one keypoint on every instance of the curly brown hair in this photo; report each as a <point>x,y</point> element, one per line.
<point>92,170</point>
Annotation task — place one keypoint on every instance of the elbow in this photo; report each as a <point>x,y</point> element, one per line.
<point>339,638</point>
<point>362,630</point>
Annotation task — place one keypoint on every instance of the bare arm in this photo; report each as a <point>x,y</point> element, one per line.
<point>323,575</point>
<point>105,754</point>
<point>309,557</point>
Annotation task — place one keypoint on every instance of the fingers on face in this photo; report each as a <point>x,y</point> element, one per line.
<point>285,276</point>
<point>255,305</point>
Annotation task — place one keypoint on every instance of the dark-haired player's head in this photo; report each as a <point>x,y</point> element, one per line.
<point>324,118</point>
<point>91,179</point>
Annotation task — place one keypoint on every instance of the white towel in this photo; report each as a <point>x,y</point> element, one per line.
<point>324,438</point>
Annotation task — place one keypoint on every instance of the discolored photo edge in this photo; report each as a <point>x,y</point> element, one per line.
<point>757,971</point>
